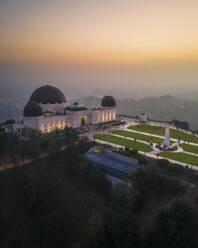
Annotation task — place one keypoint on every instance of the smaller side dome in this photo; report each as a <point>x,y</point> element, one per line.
<point>32,109</point>
<point>108,101</point>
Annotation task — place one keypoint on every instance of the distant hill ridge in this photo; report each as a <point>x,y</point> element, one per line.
<point>160,108</point>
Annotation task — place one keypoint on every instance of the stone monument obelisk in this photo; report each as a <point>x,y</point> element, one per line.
<point>166,143</point>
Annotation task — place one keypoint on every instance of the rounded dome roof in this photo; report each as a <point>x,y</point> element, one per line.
<point>48,94</point>
<point>76,107</point>
<point>32,109</point>
<point>108,101</point>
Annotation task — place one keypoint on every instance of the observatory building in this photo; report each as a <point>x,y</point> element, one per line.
<point>47,110</point>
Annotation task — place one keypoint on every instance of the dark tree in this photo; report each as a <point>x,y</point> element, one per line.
<point>176,227</point>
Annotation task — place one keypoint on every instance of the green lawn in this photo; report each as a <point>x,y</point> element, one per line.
<point>123,142</point>
<point>148,129</point>
<point>181,157</point>
<point>183,136</point>
<point>175,134</point>
<point>138,136</point>
<point>190,148</point>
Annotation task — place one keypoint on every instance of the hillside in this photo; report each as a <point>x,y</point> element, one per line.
<point>159,108</point>
<point>49,198</point>
<point>64,201</point>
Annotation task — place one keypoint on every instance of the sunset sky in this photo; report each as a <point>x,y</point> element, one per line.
<point>120,39</point>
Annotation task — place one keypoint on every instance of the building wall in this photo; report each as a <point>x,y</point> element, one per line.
<point>55,108</point>
<point>107,114</point>
<point>94,116</point>
<point>46,124</point>
<point>143,118</point>
<point>32,122</point>
<point>72,119</point>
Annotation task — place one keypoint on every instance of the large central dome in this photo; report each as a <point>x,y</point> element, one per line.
<point>48,94</point>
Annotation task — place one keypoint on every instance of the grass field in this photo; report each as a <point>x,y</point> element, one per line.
<point>138,136</point>
<point>123,142</point>
<point>148,129</point>
<point>190,148</point>
<point>175,134</point>
<point>181,157</point>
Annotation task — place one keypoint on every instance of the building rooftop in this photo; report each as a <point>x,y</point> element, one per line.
<point>48,95</point>
<point>108,101</point>
<point>32,109</point>
<point>113,163</point>
<point>76,107</point>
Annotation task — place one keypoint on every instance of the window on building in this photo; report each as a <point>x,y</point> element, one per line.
<point>56,126</point>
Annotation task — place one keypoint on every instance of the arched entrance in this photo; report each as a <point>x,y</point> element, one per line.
<point>83,120</point>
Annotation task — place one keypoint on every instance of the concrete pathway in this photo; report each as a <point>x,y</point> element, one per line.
<point>180,149</point>
<point>128,138</point>
<point>193,167</point>
<point>156,151</point>
<point>151,155</point>
<point>148,134</point>
<point>190,153</point>
<point>158,136</point>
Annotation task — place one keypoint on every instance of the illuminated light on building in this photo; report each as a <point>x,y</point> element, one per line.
<point>51,127</point>
<point>47,110</point>
<point>61,125</point>
<point>97,150</point>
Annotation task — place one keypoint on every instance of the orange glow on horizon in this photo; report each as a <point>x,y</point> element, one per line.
<point>100,32</point>
<point>100,56</point>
